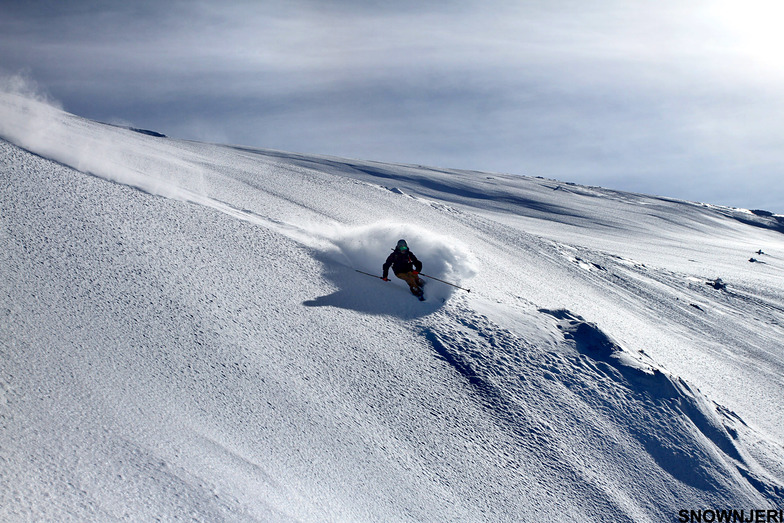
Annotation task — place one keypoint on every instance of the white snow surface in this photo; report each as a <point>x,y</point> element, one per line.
<point>183,336</point>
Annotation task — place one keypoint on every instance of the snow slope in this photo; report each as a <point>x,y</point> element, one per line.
<point>192,341</point>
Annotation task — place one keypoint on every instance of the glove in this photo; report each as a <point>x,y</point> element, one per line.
<point>416,273</point>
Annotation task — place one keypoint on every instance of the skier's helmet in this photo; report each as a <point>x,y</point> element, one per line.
<point>402,246</point>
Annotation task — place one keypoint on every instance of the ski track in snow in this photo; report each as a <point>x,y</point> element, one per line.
<point>224,361</point>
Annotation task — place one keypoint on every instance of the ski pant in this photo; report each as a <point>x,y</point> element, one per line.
<point>411,279</point>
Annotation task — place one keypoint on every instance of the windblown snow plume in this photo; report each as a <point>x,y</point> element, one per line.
<point>35,122</point>
<point>22,85</point>
<point>28,118</point>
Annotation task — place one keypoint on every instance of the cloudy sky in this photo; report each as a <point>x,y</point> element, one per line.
<point>670,97</point>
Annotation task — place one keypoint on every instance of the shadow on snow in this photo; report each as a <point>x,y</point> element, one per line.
<point>369,295</point>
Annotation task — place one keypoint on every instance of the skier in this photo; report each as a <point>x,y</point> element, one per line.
<point>406,267</point>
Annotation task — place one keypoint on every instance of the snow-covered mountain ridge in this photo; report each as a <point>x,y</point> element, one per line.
<point>194,340</point>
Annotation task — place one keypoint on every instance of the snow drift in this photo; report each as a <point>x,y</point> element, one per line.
<point>193,340</point>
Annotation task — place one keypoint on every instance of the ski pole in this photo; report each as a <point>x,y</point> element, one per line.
<point>374,275</point>
<point>442,281</point>
<point>425,275</point>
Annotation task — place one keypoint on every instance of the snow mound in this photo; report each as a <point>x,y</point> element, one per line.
<point>709,423</point>
<point>590,340</point>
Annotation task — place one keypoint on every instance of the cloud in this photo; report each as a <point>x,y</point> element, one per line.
<point>618,93</point>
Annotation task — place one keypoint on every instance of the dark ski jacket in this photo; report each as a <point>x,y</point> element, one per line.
<point>401,262</point>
